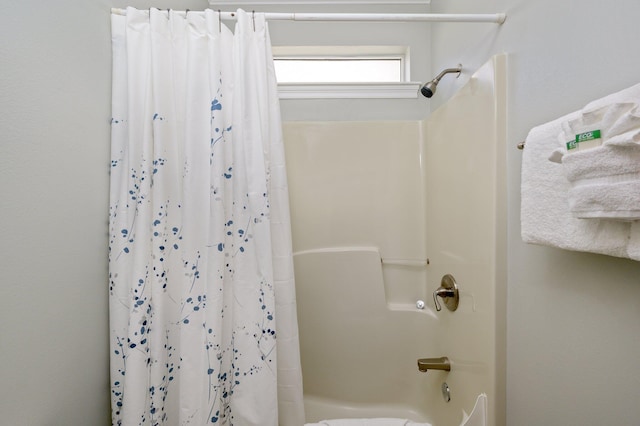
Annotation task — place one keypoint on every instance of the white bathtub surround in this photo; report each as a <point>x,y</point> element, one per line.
<point>546,209</point>
<point>478,416</point>
<point>404,192</point>
<point>202,299</point>
<point>466,237</point>
<point>354,349</point>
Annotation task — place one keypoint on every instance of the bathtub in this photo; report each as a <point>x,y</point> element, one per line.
<point>318,409</point>
<point>477,417</point>
<point>381,211</point>
<point>359,356</point>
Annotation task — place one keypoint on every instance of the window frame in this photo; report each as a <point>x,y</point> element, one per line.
<point>351,90</point>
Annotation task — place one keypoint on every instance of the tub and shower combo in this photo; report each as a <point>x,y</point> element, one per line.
<point>399,241</point>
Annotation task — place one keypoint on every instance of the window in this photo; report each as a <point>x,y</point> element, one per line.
<point>338,70</point>
<point>343,72</point>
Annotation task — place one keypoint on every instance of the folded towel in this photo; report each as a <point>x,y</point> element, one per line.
<point>606,163</point>
<point>368,422</point>
<point>545,213</point>
<point>605,182</point>
<point>478,416</point>
<point>614,124</point>
<point>619,200</point>
<point>619,119</point>
<point>604,177</point>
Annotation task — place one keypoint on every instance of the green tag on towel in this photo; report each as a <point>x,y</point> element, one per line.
<point>584,137</point>
<point>588,136</point>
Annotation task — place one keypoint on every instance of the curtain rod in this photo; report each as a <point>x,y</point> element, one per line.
<point>497,18</point>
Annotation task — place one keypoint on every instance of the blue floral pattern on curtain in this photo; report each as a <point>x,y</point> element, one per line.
<point>199,228</point>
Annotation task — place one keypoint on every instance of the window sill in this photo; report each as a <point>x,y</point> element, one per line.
<point>407,90</point>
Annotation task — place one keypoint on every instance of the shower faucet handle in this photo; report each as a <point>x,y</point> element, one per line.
<point>448,291</point>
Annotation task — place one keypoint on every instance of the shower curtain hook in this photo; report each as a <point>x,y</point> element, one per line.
<point>219,21</point>
<point>253,18</point>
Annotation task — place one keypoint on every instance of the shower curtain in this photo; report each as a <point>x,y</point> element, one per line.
<point>202,300</point>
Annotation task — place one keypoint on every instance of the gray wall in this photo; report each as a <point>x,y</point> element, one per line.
<point>55,78</point>
<point>573,318</point>
<point>54,91</point>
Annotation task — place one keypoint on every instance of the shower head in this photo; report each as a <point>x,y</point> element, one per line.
<point>430,88</point>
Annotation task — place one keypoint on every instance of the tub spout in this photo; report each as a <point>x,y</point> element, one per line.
<point>441,363</point>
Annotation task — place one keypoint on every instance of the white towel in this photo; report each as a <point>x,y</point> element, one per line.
<point>618,123</point>
<point>605,182</point>
<point>545,213</point>
<point>610,200</point>
<point>368,422</point>
<point>633,249</point>
<point>604,178</point>
<point>478,416</point>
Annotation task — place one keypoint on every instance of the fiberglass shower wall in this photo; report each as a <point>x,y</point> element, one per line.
<point>357,196</point>
<point>370,203</point>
